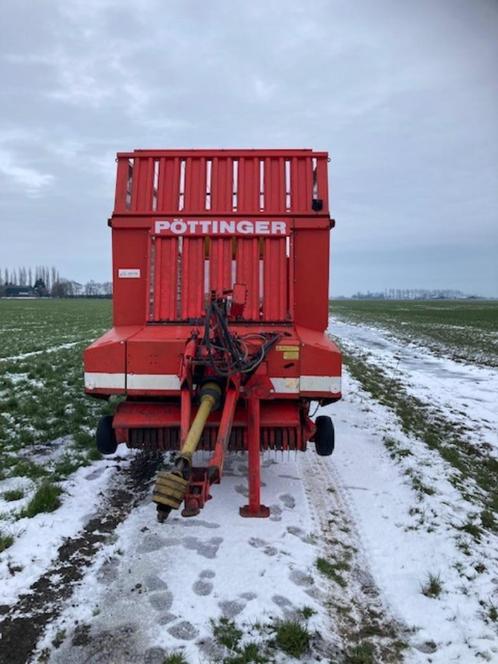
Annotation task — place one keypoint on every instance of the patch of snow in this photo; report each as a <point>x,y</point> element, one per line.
<point>466,394</point>
<point>165,581</point>
<point>38,539</point>
<point>403,546</point>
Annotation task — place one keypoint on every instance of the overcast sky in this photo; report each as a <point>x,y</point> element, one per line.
<point>403,95</point>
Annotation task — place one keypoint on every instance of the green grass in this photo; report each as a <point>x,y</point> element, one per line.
<point>46,499</point>
<point>433,586</point>
<point>463,329</point>
<point>333,569</point>
<point>5,542</point>
<point>175,658</point>
<point>13,494</point>
<point>41,395</point>
<point>226,633</point>
<point>362,653</point>
<point>306,612</point>
<point>292,637</point>
<point>249,653</point>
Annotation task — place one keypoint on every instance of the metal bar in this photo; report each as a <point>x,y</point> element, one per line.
<point>248,185</point>
<point>275,280</point>
<point>248,273</point>
<point>169,184</point>
<point>322,176</point>
<point>254,508</point>
<point>221,185</point>
<point>217,460</point>
<point>302,187</point>
<point>195,185</point>
<point>220,264</point>
<point>121,184</point>
<point>165,278</point>
<point>192,294</point>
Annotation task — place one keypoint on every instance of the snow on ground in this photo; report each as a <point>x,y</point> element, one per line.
<point>158,585</point>
<point>52,349</point>
<point>155,587</point>
<point>406,537</point>
<point>37,539</point>
<point>465,393</point>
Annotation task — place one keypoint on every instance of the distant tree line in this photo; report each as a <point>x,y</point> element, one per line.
<point>44,281</point>
<point>413,294</point>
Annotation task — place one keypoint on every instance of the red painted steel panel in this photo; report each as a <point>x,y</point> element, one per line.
<point>129,251</point>
<point>248,274</point>
<point>248,186</point>
<point>169,184</point>
<point>275,277</point>
<point>192,278</point>
<point>322,177</point>
<point>121,185</point>
<point>195,185</point>
<point>301,183</point>
<point>143,176</point>
<point>274,180</point>
<point>221,185</point>
<point>311,248</point>
<point>165,279</point>
<point>220,265</point>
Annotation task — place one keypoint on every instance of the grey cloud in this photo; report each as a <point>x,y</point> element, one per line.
<point>403,95</point>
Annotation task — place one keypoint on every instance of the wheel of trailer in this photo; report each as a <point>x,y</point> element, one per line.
<point>324,436</point>
<point>106,436</point>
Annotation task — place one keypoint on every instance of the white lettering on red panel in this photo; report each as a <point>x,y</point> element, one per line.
<point>220,227</point>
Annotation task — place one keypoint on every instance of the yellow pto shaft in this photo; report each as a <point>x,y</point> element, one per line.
<point>171,486</point>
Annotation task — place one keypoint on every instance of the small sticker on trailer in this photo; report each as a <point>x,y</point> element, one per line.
<point>129,273</point>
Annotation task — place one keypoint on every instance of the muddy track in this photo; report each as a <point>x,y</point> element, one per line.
<point>356,606</point>
<point>22,624</point>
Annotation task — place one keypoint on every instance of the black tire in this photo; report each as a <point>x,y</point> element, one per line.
<point>324,436</point>
<point>106,436</point>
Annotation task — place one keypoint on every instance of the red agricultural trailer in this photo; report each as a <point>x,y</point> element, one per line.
<point>220,306</point>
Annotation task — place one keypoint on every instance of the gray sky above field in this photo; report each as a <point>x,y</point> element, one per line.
<point>403,95</point>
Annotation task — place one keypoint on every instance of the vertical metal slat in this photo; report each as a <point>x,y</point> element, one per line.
<point>248,274</point>
<point>166,278</point>
<point>220,264</point>
<point>192,295</point>
<point>169,184</point>
<point>275,280</point>
<point>195,185</point>
<point>248,185</point>
<point>221,185</point>
<point>121,183</point>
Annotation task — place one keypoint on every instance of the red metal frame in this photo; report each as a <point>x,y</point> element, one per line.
<point>190,222</point>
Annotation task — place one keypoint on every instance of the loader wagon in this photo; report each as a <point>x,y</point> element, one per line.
<point>220,306</point>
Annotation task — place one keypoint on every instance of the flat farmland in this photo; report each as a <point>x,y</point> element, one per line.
<point>465,330</point>
<point>41,386</point>
<point>385,552</point>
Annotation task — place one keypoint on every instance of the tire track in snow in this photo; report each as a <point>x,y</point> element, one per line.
<point>23,624</point>
<point>358,609</point>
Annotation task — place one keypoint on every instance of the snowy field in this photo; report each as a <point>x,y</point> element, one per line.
<point>385,552</point>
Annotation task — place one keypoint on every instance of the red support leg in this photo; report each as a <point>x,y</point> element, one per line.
<point>254,508</point>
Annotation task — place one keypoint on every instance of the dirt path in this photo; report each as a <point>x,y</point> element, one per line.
<point>22,624</point>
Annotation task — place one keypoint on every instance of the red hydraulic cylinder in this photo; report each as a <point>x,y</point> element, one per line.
<point>217,460</point>
<point>254,508</point>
